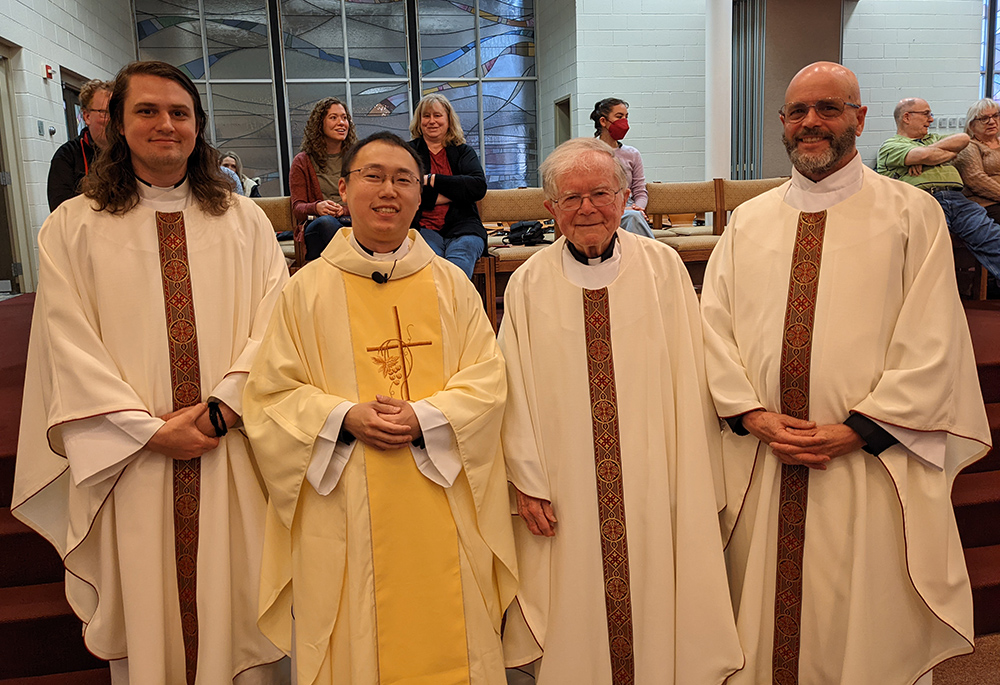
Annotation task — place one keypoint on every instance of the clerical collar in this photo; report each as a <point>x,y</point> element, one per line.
<point>588,261</point>
<point>150,185</point>
<point>807,195</point>
<point>175,199</point>
<point>398,253</point>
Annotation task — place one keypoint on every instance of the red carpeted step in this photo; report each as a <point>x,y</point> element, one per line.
<point>39,634</point>
<point>28,558</point>
<point>984,572</point>
<point>984,326</point>
<point>976,497</point>
<point>991,462</point>
<point>101,676</point>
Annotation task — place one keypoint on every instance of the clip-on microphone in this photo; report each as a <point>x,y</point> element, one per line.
<point>380,277</point>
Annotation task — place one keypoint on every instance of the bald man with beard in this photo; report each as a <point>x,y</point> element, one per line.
<point>839,356</point>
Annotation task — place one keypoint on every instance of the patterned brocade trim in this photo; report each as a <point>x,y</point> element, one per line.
<point>610,492</point>
<point>185,383</point>
<point>796,356</point>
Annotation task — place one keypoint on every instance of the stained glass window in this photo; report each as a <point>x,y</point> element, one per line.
<point>478,53</point>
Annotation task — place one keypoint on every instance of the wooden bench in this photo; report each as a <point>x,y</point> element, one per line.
<point>279,212</point>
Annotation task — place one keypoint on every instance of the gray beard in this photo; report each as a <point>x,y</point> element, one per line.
<point>813,164</point>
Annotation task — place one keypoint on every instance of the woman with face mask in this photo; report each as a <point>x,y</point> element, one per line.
<point>610,118</point>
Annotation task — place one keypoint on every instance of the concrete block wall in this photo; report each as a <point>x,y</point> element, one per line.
<point>92,38</point>
<point>650,53</point>
<point>555,63</point>
<point>923,48</point>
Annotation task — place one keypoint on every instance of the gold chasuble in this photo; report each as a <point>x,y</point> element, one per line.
<point>418,584</point>
<point>391,577</point>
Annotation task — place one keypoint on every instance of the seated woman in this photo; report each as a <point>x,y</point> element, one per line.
<point>979,162</point>
<point>610,118</point>
<point>448,218</point>
<point>315,175</point>
<point>251,186</point>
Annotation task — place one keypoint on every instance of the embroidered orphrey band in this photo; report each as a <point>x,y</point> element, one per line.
<point>796,353</point>
<point>610,492</point>
<point>185,383</point>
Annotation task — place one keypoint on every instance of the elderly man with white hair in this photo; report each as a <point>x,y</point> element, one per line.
<point>610,439</point>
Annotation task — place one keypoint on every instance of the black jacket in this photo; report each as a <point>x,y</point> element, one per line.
<point>69,165</point>
<point>465,187</point>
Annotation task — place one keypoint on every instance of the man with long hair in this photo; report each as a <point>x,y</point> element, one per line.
<point>72,161</point>
<point>154,290</point>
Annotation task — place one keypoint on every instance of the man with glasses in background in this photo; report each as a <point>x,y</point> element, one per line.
<point>74,158</point>
<point>374,409</point>
<point>839,356</point>
<point>925,160</point>
<point>612,444</point>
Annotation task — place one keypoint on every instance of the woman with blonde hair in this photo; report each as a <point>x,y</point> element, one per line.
<point>979,162</point>
<point>448,219</point>
<point>314,178</point>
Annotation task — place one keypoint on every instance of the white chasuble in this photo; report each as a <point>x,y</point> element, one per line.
<point>682,628</point>
<point>99,346</point>
<point>885,592</point>
<point>324,554</point>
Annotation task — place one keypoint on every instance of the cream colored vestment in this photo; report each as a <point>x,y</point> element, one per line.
<point>886,594</point>
<point>318,559</point>
<point>99,346</point>
<point>683,629</point>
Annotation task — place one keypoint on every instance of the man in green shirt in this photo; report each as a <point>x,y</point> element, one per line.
<point>924,159</point>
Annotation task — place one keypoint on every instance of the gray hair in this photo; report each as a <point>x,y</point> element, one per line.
<point>903,107</point>
<point>573,156</point>
<point>979,108</point>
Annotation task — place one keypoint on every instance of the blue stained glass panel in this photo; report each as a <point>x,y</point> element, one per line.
<point>381,107</point>
<point>376,39</point>
<point>447,39</point>
<point>313,38</point>
<point>171,32</point>
<point>244,122</point>
<point>510,130</point>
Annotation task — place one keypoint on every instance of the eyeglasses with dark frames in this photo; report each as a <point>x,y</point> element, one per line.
<point>602,197</point>
<point>376,175</point>
<point>826,108</point>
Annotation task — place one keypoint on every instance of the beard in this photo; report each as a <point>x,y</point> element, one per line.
<point>811,164</point>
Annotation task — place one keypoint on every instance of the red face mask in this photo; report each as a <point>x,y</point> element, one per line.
<point>618,129</point>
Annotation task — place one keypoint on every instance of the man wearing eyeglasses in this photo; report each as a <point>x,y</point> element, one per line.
<point>926,160</point>
<point>74,158</point>
<point>839,356</point>
<point>610,440</point>
<point>374,411</point>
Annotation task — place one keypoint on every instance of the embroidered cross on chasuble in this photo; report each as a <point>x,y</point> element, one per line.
<point>185,384</point>
<point>796,354</point>
<point>419,612</point>
<point>610,492</point>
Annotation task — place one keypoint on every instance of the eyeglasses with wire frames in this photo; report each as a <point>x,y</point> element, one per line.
<point>826,108</point>
<point>602,197</point>
<point>922,112</point>
<point>376,175</point>
<point>983,118</point>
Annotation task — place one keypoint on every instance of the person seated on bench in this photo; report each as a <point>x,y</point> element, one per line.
<point>448,218</point>
<point>979,163</point>
<point>925,160</point>
<point>610,118</point>
<point>232,161</point>
<point>315,175</point>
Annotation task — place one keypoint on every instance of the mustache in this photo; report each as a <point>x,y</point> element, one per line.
<point>812,132</point>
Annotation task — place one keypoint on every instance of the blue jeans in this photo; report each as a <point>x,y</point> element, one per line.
<point>970,222</point>
<point>633,222</point>
<point>462,251</point>
<point>318,234</point>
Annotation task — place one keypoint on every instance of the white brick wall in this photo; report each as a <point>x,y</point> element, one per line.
<point>650,53</point>
<point>922,48</point>
<point>93,38</point>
